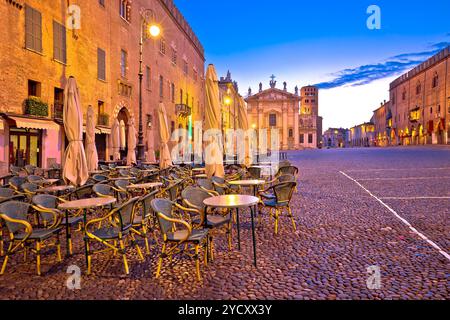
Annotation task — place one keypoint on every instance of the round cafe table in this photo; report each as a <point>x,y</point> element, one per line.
<point>83,204</point>
<point>235,201</point>
<point>56,189</point>
<point>144,186</point>
<point>47,181</point>
<point>248,183</point>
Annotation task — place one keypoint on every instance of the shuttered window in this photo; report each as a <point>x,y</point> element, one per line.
<point>101,64</point>
<point>33,29</point>
<point>59,42</point>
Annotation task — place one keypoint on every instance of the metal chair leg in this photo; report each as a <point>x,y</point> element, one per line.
<point>163,252</point>
<point>292,218</point>
<point>38,257</point>
<point>124,256</point>
<point>5,261</point>
<point>197,262</point>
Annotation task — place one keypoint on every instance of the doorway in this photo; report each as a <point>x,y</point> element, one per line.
<point>25,147</point>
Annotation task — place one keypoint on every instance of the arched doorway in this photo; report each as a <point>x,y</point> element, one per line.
<point>123,117</point>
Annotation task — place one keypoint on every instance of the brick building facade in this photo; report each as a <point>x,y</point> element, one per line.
<point>97,42</point>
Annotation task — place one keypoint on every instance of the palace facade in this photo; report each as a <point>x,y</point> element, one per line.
<point>97,42</point>
<point>294,115</point>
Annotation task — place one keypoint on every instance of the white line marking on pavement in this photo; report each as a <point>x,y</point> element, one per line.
<point>421,235</point>
<point>412,198</point>
<point>407,169</point>
<point>407,178</point>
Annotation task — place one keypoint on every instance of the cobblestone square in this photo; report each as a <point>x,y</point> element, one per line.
<point>355,208</point>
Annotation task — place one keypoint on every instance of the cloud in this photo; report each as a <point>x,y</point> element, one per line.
<point>392,66</point>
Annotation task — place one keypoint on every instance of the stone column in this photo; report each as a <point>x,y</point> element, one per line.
<point>285,127</point>
<point>296,133</point>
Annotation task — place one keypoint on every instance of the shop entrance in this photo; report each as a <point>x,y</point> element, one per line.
<point>25,147</point>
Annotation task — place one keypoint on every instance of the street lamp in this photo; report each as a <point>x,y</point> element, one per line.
<point>149,29</point>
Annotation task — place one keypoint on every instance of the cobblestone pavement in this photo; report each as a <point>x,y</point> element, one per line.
<point>342,230</point>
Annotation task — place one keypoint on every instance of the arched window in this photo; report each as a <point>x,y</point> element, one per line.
<point>418,88</point>
<point>125,9</point>
<point>435,80</point>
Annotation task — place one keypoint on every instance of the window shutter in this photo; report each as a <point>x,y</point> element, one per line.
<point>38,30</point>
<point>101,64</point>
<point>56,41</point>
<point>33,29</point>
<point>63,44</point>
<point>29,27</point>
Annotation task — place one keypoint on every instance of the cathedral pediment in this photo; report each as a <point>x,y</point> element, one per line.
<point>273,94</point>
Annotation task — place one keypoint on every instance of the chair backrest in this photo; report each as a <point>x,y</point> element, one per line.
<point>14,210</point>
<point>124,173</point>
<point>83,192</point>
<point>103,190</point>
<point>30,169</point>
<point>286,178</point>
<point>99,177</point>
<point>56,166</point>
<point>254,172</point>
<point>146,202</point>
<point>126,213</point>
<point>29,187</point>
<point>135,171</point>
<point>34,178</point>
<point>104,167</point>
<point>205,183</point>
<point>174,190</point>
<point>219,189</point>
<point>194,196</point>
<point>122,184</point>
<point>16,182</point>
<point>163,206</point>
<point>288,170</point>
<point>15,169</point>
<point>6,193</point>
<point>283,191</point>
<point>45,200</point>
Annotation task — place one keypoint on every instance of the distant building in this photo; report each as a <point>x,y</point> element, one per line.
<point>336,138</point>
<point>363,135</point>
<point>294,115</point>
<point>420,103</point>
<point>229,101</point>
<point>382,120</point>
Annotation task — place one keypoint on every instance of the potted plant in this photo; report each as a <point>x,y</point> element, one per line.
<point>36,107</point>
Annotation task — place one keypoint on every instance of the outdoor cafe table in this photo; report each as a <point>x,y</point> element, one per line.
<point>144,186</point>
<point>55,189</point>
<point>83,204</point>
<point>200,176</point>
<point>235,201</point>
<point>47,181</point>
<point>248,183</point>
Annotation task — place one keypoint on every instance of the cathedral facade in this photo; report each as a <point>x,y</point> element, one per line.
<point>295,115</point>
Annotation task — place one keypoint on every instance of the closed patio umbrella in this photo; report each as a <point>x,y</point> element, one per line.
<point>75,168</point>
<point>90,148</point>
<point>165,160</point>
<point>115,139</point>
<point>131,156</point>
<point>213,151</point>
<point>243,125</point>
<point>123,135</point>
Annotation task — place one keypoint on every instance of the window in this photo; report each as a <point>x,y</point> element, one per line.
<point>101,64</point>
<point>123,63</point>
<point>393,99</point>
<point>302,138</point>
<point>195,75</point>
<point>181,95</point>
<point>34,88</point>
<point>162,46</point>
<point>435,81</point>
<point>185,67</point>
<point>100,107</point>
<point>418,88</point>
<point>148,78</point>
<point>33,29</point>
<point>404,95</point>
<point>272,120</point>
<point>174,56</point>
<point>161,86</point>
<point>310,138</point>
<point>172,92</point>
<point>58,103</point>
<point>125,9</point>
<point>291,133</point>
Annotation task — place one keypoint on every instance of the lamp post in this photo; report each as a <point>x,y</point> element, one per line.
<point>152,29</point>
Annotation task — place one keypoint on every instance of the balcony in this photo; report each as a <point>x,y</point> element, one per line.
<point>183,110</point>
<point>58,108</point>
<point>103,119</point>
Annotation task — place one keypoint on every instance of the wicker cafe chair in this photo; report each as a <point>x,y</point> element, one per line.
<point>29,189</point>
<point>208,186</point>
<point>83,192</point>
<point>287,170</point>
<point>121,189</point>
<point>16,182</point>
<point>47,204</point>
<point>283,194</point>
<point>6,193</point>
<point>193,198</point>
<point>144,218</point>
<point>23,235</point>
<point>177,240</point>
<point>30,169</point>
<point>98,178</point>
<point>35,179</point>
<point>15,170</point>
<point>118,224</point>
<point>254,172</point>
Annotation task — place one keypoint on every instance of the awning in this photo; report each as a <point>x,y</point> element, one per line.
<point>28,123</point>
<point>2,126</point>
<point>102,130</point>
<point>97,131</point>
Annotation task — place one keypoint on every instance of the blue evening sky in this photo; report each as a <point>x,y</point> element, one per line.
<point>320,42</point>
